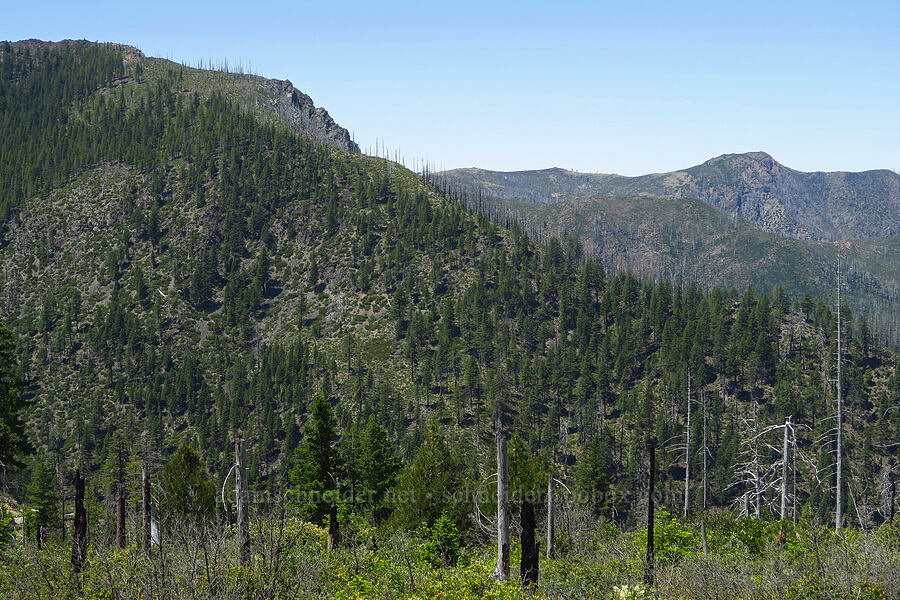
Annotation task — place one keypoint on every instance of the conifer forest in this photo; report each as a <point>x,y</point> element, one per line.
<point>238,360</point>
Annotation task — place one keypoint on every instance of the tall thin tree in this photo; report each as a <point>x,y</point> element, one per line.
<point>501,573</point>
<point>839,462</point>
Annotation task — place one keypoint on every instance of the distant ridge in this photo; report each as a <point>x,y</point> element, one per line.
<point>824,206</point>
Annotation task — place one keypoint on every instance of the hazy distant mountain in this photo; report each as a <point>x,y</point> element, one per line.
<point>753,186</point>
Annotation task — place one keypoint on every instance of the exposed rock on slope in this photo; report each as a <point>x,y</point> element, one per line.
<point>753,186</point>
<point>303,116</point>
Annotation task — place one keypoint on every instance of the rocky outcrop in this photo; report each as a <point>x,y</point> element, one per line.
<point>295,108</point>
<point>303,116</point>
<point>752,186</point>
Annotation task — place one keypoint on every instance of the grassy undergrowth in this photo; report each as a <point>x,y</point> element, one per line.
<point>747,559</point>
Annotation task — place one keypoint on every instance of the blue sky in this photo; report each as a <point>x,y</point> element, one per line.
<point>625,87</point>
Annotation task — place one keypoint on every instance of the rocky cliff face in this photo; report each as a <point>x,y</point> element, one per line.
<point>304,117</point>
<point>824,206</point>
<point>752,186</point>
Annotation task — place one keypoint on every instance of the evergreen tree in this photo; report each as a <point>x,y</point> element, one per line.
<point>187,490</point>
<point>378,465</point>
<point>431,483</point>
<point>595,471</point>
<point>13,439</point>
<point>43,495</point>
<point>317,464</point>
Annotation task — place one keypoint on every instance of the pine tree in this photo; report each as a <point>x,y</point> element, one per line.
<point>378,465</point>
<point>187,490</point>
<point>317,464</point>
<point>429,485</point>
<point>13,439</point>
<point>43,495</point>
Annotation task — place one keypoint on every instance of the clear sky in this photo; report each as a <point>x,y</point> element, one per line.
<point>627,87</point>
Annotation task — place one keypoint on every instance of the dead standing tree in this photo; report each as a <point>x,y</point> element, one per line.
<point>758,474</point>
<point>529,568</point>
<point>651,475</point>
<point>243,499</point>
<point>146,524</point>
<point>683,448</point>
<point>839,439</point>
<point>501,572</point>
<point>79,534</point>
<point>501,527</point>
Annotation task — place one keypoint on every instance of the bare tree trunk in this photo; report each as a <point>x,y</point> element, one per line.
<point>501,573</point>
<point>120,516</point>
<point>648,567</point>
<point>886,491</point>
<point>839,484</point>
<point>705,451</point>
<point>79,533</point>
<point>784,470</point>
<point>757,475</point>
<point>551,519</point>
<point>893,499</point>
<point>242,497</point>
<point>334,528</point>
<point>687,453</point>
<point>145,508</point>
<point>529,568</point>
<point>703,536</point>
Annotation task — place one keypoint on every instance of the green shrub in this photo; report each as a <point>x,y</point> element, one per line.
<point>6,528</point>
<point>443,549</point>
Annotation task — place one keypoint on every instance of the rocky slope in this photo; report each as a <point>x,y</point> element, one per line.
<point>257,94</point>
<point>753,186</point>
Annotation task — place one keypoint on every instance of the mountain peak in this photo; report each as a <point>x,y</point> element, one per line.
<point>758,156</point>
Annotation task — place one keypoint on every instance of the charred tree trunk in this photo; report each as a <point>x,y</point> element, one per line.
<point>334,529</point>
<point>530,546</point>
<point>648,567</point>
<point>79,533</point>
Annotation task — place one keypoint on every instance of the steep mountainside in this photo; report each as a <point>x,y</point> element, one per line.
<point>671,226</point>
<point>265,97</point>
<point>179,265</point>
<point>752,186</point>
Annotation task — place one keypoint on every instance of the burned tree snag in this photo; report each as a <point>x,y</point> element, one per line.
<point>79,534</point>
<point>530,546</point>
<point>648,567</point>
<point>334,529</point>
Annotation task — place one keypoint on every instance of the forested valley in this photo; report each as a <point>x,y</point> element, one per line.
<point>184,274</point>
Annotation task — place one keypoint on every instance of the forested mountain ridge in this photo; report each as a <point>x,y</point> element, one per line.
<point>191,271</point>
<point>686,223</point>
<point>825,206</point>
